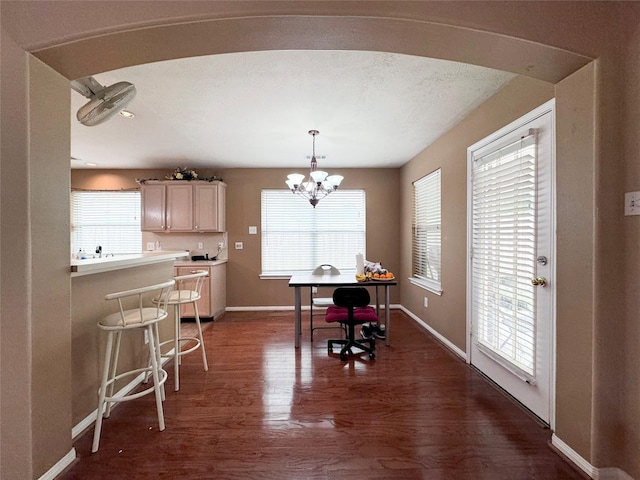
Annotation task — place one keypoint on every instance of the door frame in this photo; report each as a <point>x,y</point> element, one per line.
<point>546,107</point>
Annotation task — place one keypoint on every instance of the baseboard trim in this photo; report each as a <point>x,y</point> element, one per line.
<point>128,388</point>
<point>612,473</point>
<point>60,466</point>
<point>573,456</point>
<point>608,473</point>
<point>438,336</point>
<point>262,309</point>
<point>285,308</point>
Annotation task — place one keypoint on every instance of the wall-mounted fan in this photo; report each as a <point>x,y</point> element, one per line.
<point>104,102</point>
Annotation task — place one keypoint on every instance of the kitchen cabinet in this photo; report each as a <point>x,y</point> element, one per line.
<point>213,298</point>
<point>218,275</point>
<point>204,304</point>
<point>154,210</point>
<point>179,208</point>
<point>210,207</point>
<point>183,206</point>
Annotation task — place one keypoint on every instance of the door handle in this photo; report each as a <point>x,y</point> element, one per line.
<point>539,282</point>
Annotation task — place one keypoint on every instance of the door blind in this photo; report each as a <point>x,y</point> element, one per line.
<point>298,237</point>
<point>503,254</point>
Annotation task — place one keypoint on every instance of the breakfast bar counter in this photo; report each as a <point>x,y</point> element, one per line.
<point>108,263</point>
<point>91,280</point>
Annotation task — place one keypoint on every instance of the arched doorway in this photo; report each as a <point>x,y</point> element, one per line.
<point>269,27</point>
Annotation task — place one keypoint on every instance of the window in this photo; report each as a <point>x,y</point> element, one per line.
<point>108,219</point>
<point>298,237</point>
<point>426,233</point>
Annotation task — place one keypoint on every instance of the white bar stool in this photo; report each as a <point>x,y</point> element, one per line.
<point>187,290</point>
<point>125,319</point>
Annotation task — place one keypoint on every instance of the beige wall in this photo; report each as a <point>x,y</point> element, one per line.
<point>243,209</point>
<point>575,254</point>
<point>554,39</point>
<point>15,342</point>
<point>48,260</point>
<point>628,338</point>
<point>35,297</point>
<point>447,313</point>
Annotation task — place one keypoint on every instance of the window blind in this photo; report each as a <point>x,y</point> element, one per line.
<point>503,254</point>
<point>108,219</point>
<point>427,230</point>
<point>298,237</point>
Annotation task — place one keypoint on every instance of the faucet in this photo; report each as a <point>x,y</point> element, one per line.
<point>99,251</point>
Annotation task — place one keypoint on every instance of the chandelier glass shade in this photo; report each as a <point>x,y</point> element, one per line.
<point>319,184</point>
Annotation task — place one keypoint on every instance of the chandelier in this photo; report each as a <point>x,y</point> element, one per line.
<point>319,185</point>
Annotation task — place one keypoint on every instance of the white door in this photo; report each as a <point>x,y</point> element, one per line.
<point>511,259</point>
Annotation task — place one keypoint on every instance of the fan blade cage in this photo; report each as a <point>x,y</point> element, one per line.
<point>106,104</point>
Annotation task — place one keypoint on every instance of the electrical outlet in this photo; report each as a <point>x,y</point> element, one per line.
<point>220,245</point>
<point>314,289</point>
<point>426,302</point>
<point>253,230</point>
<point>151,246</point>
<point>239,246</point>
<point>200,245</point>
<point>632,203</point>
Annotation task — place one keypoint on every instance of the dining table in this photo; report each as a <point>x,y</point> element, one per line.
<point>301,280</point>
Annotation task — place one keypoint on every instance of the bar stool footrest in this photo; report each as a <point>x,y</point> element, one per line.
<point>132,396</point>
<point>181,352</point>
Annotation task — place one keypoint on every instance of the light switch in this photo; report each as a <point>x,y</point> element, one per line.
<point>632,203</point>
<point>253,230</point>
<point>200,245</point>
<point>239,246</point>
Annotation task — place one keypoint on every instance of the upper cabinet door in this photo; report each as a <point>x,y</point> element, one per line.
<point>180,208</point>
<point>153,208</point>
<point>208,213</point>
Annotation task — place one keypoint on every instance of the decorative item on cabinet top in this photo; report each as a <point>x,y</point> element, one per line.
<point>181,173</point>
<point>183,206</point>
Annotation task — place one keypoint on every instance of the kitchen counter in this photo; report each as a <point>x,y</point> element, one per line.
<point>190,263</point>
<point>105,264</point>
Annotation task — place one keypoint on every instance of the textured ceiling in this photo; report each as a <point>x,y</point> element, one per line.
<point>254,109</point>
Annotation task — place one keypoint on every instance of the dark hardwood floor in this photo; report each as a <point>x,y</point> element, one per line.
<point>267,411</point>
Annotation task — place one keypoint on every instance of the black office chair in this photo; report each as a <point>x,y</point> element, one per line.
<point>352,308</point>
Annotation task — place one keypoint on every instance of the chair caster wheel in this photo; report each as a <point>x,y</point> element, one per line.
<point>372,356</point>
